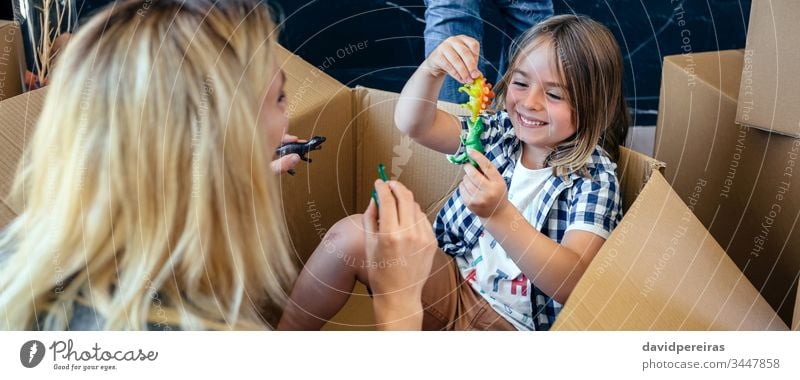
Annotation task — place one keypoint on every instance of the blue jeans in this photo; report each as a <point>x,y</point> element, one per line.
<point>444,18</point>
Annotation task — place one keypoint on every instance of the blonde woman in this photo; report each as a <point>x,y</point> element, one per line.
<point>149,198</point>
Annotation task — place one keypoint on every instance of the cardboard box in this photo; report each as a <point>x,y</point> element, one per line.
<point>17,121</point>
<point>661,270</point>
<point>11,58</point>
<point>769,95</point>
<point>740,182</point>
<point>360,130</point>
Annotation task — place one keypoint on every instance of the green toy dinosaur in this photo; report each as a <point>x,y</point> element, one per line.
<point>382,175</point>
<point>480,95</point>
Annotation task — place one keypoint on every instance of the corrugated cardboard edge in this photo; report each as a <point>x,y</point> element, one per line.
<point>771,130</point>
<point>12,59</point>
<point>631,162</point>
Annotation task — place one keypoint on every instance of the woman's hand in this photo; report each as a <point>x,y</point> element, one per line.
<point>457,56</point>
<point>400,248</point>
<point>484,192</point>
<point>281,165</point>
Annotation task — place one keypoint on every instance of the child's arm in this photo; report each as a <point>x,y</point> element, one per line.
<point>554,268</point>
<point>416,114</point>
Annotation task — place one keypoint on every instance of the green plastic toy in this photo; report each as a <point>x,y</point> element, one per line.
<point>480,95</point>
<point>381,175</point>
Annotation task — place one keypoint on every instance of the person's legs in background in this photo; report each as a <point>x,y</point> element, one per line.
<point>447,18</point>
<point>519,16</point>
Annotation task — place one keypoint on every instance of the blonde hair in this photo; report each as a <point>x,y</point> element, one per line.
<point>590,64</point>
<point>147,189</point>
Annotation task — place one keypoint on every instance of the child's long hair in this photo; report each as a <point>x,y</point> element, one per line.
<point>590,64</point>
<point>146,187</point>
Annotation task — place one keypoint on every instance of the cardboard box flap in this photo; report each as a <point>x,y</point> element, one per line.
<point>309,84</point>
<point>321,192</point>
<point>634,170</point>
<point>771,76</point>
<point>661,270</point>
<point>18,116</point>
<point>711,69</point>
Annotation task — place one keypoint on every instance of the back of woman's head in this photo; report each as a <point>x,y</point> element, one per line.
<point>589,62</point>
<point>147,189</point>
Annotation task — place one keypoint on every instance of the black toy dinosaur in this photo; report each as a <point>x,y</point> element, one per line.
<point>315,143</point>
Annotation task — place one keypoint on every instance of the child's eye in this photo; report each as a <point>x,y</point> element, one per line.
<point>519,84</point>
<point>554,96</point>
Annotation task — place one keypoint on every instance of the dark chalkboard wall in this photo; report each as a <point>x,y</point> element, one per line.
<point>327,33</point>
<point>323,32</point>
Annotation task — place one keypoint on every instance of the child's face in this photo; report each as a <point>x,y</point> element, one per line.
<point>273,111</point>
<point>537,102</point>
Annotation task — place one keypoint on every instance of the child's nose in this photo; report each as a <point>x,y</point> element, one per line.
<point>535,98</point>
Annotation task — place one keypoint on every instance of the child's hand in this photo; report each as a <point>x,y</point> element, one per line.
<point>484,191</point>
<point>457,56</point>
<point>400,246</point>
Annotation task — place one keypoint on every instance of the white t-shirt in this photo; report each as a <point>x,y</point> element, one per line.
<point>490,271</point>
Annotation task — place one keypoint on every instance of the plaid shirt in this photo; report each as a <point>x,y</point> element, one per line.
<point>570,201</point>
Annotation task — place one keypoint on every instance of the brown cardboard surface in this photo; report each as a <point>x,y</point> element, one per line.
<point>796,324</point>
<point>10,59</point>
<point>769,95</point>
<point>661,270</point>
<point>427,173</point>
<point>321,192</point>
<point>18,117</point>
<point>737,180</point>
